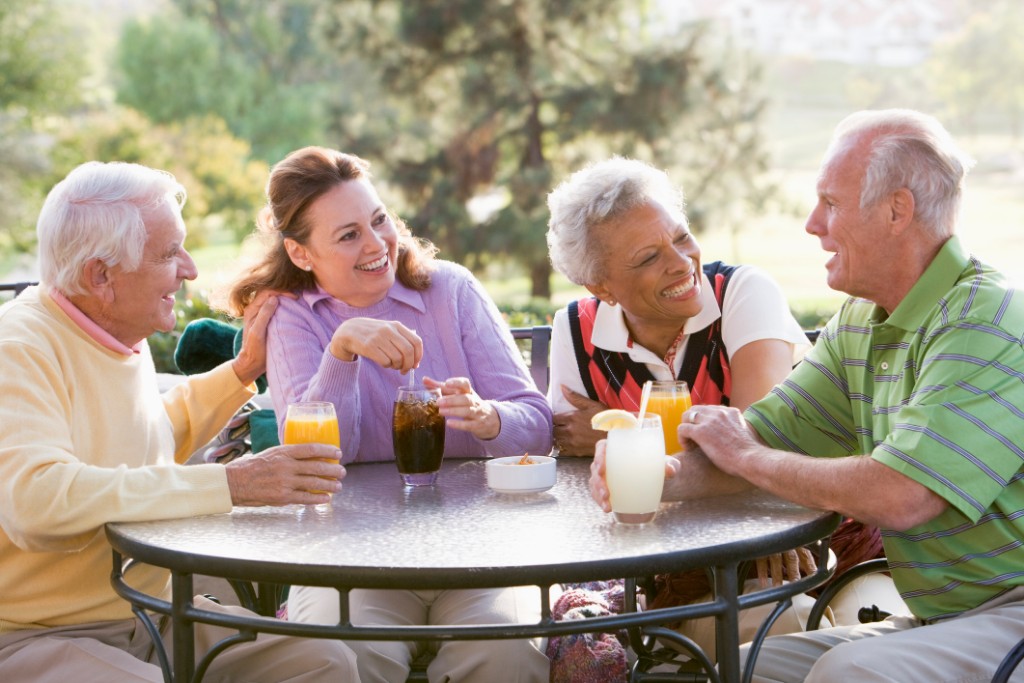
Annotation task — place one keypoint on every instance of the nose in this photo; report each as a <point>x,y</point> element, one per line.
<point>815,224</point>
<point>687,255</point>
<point>187,269</point>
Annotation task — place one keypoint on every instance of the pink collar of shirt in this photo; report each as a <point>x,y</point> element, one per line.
<point>97,333</point>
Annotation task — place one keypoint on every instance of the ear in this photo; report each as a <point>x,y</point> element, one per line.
<point>298,254</point>
<point>901,210</point>
<point>601,292</point>
<point>98,280</point>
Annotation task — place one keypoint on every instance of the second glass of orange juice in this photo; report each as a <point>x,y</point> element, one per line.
<point>670,399</point>
<point>312,422</point>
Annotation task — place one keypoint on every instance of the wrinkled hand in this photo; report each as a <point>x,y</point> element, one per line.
<point>599,485</point>
<point>251,361</point>
<point>786,566</point>
<point>464,409</point>
<point>721,434</point>
<point>573,435</point>
<point>284,475</point>
<point>388,343</point>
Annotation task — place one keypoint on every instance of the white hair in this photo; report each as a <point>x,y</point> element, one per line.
<point>594,195</point>
<point>97,212</point>
<point>912,150</point>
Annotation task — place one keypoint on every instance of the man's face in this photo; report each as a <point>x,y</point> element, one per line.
<point>857,237</point>
<point>143,299</point>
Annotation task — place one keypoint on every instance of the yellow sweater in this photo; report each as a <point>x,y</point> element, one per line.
<point>86,439</point>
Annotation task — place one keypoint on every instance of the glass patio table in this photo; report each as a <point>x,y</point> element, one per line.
<point>460,534</point>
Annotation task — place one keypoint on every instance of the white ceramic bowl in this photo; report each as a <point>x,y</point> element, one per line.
<point>506,475</point>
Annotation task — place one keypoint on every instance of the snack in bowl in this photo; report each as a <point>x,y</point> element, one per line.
<point>521,474</point>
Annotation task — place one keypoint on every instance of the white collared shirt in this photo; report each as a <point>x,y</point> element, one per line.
<point>755,308</point>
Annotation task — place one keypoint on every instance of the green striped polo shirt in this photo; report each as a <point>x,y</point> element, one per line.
<point>935,391</point>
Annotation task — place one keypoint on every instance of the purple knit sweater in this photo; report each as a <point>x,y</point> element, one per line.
<point>463,336</point>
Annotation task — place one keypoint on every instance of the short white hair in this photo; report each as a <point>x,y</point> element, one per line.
<point>912,150</point>
<point>593,195</point>
<point>97,212</point>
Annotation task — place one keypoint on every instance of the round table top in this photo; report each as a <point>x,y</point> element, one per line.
<point>459,533</point>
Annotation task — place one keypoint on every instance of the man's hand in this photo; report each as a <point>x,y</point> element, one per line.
<point>573,435</point>
<point>251,361</point>
<point>284,475</point>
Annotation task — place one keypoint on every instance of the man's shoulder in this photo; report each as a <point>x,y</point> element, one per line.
<point>983,293</point>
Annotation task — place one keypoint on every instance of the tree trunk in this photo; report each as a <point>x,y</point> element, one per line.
<point>540,280</point>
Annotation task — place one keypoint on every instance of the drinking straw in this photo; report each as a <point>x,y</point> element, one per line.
<point>644,395</point>
<point>412,378</point>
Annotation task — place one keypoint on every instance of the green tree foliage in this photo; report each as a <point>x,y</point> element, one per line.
<point>224,185</point>
<point>248,63</point>
<point>503,98</point>
<point>977,71</point>
<point>39,70</point>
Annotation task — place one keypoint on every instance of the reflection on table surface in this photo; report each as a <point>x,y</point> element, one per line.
<point>380,532</point>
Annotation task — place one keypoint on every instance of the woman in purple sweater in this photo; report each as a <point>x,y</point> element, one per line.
<point>371,304</point>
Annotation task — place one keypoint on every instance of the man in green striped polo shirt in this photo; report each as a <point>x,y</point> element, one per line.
<point>910,406</point>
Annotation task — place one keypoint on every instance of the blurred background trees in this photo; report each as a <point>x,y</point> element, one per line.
<point>471,110</point>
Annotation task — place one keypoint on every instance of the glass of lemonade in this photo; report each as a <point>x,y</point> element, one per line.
<point>635,470</point>
<point>670,399</point>
<point>417,429</point>
<point>312,422</point>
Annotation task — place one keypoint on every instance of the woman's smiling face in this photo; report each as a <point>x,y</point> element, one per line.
<point>651,267</point>
<point>353,244</point>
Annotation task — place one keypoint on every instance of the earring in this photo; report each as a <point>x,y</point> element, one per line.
<point>308,268</point>
<point>611,302</point>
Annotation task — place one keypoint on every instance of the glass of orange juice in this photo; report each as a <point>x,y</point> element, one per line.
<point>670,399</point>
<point>312,422</point>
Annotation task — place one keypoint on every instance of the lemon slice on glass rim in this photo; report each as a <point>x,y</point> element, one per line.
<point>615,418</point>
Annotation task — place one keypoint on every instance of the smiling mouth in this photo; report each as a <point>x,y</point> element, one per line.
<point>680,289</point>
<point>377,264</point>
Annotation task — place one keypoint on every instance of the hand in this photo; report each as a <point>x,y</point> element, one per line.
<point>464,409</point>
<point>388,343</point>
<point>251,361</point>
<point>721,434</point>
<point>787,566</point>
<point>573,435</point>
<point>284,475</point>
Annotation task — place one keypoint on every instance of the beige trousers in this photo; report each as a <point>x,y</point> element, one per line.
<point>122,651</point>
<point>965,649</point>
<point>466,661</point>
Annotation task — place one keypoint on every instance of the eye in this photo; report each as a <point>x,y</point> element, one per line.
<point>380,219</point>
<point>348,235</point>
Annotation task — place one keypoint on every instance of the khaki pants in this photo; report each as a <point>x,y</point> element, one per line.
<point>465,661</point>
<point>965,649</point>
<point>122,651</point>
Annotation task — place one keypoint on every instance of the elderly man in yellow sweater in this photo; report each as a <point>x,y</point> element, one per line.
<point>86,438</point>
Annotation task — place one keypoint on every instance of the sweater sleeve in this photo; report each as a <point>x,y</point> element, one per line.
<point>200,407</point>
<point>300,367</point>
<point>499,374</point>
<point>71,463</point>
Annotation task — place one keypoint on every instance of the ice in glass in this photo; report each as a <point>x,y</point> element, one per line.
<point>417,429</point>
<point>635,470</point>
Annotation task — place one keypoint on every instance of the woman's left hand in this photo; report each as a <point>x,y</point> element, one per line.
<point>464,409</point>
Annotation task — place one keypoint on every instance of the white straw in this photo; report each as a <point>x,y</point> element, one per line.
<point>412,378</point>
<point>644,395</point>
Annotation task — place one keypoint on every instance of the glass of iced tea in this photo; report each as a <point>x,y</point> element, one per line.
<point>312,422</point>
<point>669,400</point>
<point>417,429</point>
